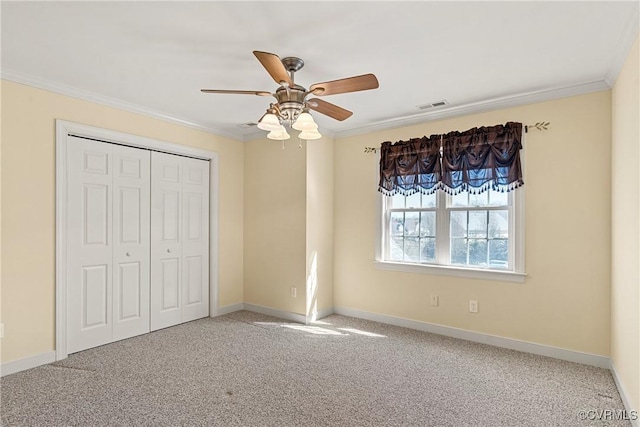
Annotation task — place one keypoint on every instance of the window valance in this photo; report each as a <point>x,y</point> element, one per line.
<point>474,160</point>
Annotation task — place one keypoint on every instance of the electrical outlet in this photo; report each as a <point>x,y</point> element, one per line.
<point>434,300</point>
<point>473,306</point>
<point>293,292</point>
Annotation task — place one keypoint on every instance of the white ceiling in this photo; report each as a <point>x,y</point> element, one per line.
<point>155,57</point>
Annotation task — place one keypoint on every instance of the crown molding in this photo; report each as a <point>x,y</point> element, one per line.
<point>627,37</point>
<point>452,111</point>
<point>253,135</point>
<point>480,107</point>
<point>63,89</point>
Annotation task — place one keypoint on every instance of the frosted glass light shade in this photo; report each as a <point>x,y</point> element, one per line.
<point>279,134</point>
<point>310,134</point>
<point>269,122</point>
<point>305,122</point>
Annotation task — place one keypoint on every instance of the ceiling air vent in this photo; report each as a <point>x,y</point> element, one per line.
<point>433,105</point>
<point>247,125</point>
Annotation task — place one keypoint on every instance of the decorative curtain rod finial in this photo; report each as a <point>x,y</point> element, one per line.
<point>538,126</point>
<point>370,150</point>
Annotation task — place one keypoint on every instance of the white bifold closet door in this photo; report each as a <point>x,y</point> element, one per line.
<point>137,241</point>
<point>108,249</point>
<point>179,240</point>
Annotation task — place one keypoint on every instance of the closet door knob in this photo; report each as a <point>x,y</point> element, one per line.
<point>168,251</point>
<point>128,253</point>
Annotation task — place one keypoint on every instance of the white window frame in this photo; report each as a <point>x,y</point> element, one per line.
<point>516,242</point>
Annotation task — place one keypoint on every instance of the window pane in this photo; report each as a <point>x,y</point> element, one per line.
<point>427,224</point>
<point>461,199</point>
<point>429,201</point>
<point>413,201</point>
<point>397,224</point>
<point>498,224</point>
<point>499,253</point>
<point>459,224</point>
<point>478,235</point>
<point>458,251</point>
<point>477,252</point>
<point>497,198</point>
<point>428,249</point>
<point>396,248</point>
<point>412,249</point>
<point>397,201</point>
<point>478,224</point>
<point>479,199</point>
<point>411,223</point>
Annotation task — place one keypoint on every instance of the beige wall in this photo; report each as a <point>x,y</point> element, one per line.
<point>625,255</point>
<point>275,224</point>
<point>565,299</point>
<point>28,201</point>
<point>319,245</point>
<point>289,224</point>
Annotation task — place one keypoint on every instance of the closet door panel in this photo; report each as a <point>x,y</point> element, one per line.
<point>132,241</point>
<point>195,245</point>
<point>166,240</point>
<point>89,244</point>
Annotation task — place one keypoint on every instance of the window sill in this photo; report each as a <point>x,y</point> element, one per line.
<point>445,270</point>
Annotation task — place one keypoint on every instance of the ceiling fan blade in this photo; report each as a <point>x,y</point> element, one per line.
<point>274,66</point>
<point>329,109</point>
<point>237,92</point>
<point>350,84</point>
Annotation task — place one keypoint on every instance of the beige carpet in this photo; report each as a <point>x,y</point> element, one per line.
<point>247,369</point>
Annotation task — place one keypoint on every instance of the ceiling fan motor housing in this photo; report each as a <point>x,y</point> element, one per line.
<point>291,102</point>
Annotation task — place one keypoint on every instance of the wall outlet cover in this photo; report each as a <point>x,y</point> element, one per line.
<point>473,306</point>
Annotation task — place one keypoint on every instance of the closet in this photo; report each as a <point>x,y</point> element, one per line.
<point>137,241</point>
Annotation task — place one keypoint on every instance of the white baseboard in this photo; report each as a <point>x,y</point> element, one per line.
<point>14,366</point>
<point>324,313</point>
<point>221,311</point>
<point>510,343</point>
<point>287,315</point>
<point>625,398</point>
<point>513,344</point>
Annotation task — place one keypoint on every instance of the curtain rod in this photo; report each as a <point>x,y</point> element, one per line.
<point>536,126</point>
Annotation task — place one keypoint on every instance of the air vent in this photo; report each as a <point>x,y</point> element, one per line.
<point>247,125</point>
<point>433,105</point>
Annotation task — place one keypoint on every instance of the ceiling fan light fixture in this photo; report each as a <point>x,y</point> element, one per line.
<point>310,134</point>
<point>269,122</point>
<point>279,134</point>
<point>292,106</point>
<point>305,122</point>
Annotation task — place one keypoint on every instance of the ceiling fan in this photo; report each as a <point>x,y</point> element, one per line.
<point>293,105</point>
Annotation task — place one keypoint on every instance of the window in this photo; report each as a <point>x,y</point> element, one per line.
<point>453,203</point>
<point>472,233</point>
